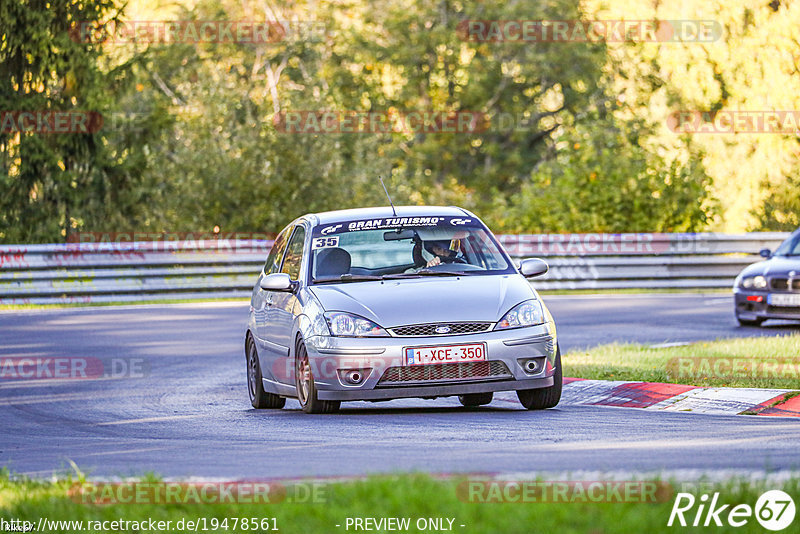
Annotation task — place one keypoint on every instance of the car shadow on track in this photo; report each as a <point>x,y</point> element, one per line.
<point>795,327</point>
<point>406,410</point>
<point>415,410</point>
<point>773,325</point>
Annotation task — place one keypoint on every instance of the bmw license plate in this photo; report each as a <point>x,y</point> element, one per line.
<point>776,299</point>
<point>473,352</point>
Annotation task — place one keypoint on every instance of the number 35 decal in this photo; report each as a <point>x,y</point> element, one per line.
<point>325,242</point>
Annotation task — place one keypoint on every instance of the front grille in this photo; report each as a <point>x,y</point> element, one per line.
<point>785,284</point>
<point>446,372</point>
<point>430,329</point>
<point>781,284</point>
<point>783,309</point>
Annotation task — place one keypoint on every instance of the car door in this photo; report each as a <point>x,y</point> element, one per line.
<point>262,300</point>
<point>284,304</point>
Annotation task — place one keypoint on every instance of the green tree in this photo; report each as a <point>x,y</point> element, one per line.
<point>570,144</point>
<point>751,66</point>
<point>781,208</point>
<point>603,180</point>
<point>53,184</point>
<point>223,161</point>
<point>415,56</point>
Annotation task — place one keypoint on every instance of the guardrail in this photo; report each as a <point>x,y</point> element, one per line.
<point>158,270</point>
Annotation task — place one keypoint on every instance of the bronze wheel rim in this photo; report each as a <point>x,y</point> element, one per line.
<point>304,376</point>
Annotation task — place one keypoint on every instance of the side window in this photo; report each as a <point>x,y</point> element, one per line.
<point>294,254</point>
<point>273,263</point>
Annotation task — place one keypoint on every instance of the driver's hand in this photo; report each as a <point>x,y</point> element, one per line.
<point>435,261</point>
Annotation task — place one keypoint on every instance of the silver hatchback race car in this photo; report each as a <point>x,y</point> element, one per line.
<point>383,303</point>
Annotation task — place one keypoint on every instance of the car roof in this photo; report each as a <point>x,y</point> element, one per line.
<point>328,217</point>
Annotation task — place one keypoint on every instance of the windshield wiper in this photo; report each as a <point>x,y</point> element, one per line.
<point>425,272</point>
<point>347,277</point>
<point>428,272</point>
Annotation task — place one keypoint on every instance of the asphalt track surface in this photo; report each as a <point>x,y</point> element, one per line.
<point>189,414</point>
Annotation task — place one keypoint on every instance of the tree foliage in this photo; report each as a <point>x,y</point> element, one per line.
<point>575,136</point>
<point>753,66</point>
<point>55,183</point>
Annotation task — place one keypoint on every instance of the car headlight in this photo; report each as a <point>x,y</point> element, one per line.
<point>348,325</point>
<point>528,313</point>
<point>754,282</point>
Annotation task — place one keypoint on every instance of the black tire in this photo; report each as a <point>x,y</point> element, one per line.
<point>754,322</point>
<point>542,398</point>
<point>471,400</point>
<point>306,390</point>
<point>255,386</point>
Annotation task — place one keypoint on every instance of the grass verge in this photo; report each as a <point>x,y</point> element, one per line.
<point>755,362</point>
<point>402,496</point>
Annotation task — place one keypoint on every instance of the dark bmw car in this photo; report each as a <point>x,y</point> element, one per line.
<point>770,289</point>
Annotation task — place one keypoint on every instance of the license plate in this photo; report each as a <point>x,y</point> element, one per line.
<point>473,352</point>
<point>776,299</point>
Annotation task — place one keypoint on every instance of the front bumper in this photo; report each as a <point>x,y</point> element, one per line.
<point>754,305</point>
<point>330,357</point>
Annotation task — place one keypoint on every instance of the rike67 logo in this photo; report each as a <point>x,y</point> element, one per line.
<point>774,510</point>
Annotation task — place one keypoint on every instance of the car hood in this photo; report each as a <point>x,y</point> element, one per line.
<point>775,266</point>
<point>427,300</point>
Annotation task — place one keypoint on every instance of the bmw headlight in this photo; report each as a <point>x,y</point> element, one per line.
<point>528,313</point>
<point>344,324</point>
<point>754,282</point>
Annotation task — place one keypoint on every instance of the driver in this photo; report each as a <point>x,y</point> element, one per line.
<point>443,252</point>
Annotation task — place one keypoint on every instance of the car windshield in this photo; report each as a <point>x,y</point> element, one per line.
<point>401,247</point>
<point>790,247</point>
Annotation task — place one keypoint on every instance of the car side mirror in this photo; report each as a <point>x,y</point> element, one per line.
<point>533,267</point>
<point>765,253</point>
<point>276,282</point>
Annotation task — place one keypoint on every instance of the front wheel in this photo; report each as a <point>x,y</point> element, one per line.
<point>541,398</point>
<point>306,390</point>
<point>259,398</point>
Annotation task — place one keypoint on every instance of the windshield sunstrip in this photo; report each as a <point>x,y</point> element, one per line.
<point>393,223</point>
